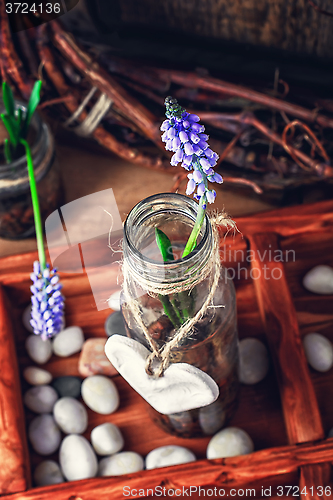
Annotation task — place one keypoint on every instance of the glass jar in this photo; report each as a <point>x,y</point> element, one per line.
<point>16,213</point>
<point>213,344</point>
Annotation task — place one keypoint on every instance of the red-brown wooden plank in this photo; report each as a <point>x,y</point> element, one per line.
<point>14,457</point>
<point>313,480</point>
<point>300,407</point>
<point>229,473</point>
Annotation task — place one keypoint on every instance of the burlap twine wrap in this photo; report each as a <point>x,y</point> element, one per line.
<point>211,270</point>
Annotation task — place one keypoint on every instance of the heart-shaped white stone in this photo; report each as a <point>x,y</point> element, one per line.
<point>182,387</point>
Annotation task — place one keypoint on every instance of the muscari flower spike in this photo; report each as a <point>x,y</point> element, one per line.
<point>47,310</point>
<point>184,136</point>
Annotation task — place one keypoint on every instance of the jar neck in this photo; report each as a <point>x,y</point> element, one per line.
<point>140,250</point>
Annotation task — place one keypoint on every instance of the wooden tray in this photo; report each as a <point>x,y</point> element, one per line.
<point>287,415</point>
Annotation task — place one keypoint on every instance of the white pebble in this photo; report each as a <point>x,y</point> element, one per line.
<point>70,415</point>
<point>229,442</point>
<point>318,351</point>
<point>114,301</point>
<point>77,458</point>
<point>40,399</point>
<point>44,435</point>
<point>39,350</point>
<point>68,342</point>
<point>48,472</point>
<point>125,462</point>
<point>169,455</point>
<point>106,439</point>
<point>26,316</point>
<point>100,394</point>
<point>319,280</point>
<point>37,376</point>
<point>253,361</point>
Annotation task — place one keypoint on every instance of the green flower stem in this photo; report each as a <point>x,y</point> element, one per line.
<point>190,245</point>
<point>35,205</point>
<point>171,311</point>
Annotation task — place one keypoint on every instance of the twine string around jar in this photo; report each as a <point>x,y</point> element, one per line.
<point>212,268</point>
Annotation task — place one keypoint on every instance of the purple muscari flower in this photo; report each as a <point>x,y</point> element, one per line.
<point>47,312</point>
<point>197,176</point>
<point>216,177</point>
<point>211,195</point>
<point>204,163</point>
<point>165,137</point>
<point>191,185</point>
<point>184,136</point>
<point>188,148</point>
<point>176,143</point>
<point>165,125</point>
<point>194,138</point>
<point>201,189</point>
<point>188,160</point>
<point>202,144</point>
<point>204,137</point>
<point>171,133</point>
<point>197,128</point>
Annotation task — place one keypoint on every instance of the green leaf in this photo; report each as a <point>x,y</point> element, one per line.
<point>7,151</point>
<point>8,99</point>
<point>164,245</point>
<point>10,129</point>
<point>19,118</point>
<point>15,127</point>
<point>32,105</point>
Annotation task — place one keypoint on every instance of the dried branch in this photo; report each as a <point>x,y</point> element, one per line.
<point>98,77</point>
<point>231,89</point>
<point>248,118</point>
<point>100,134</point>
<point>12,65</point>
<point>316,143</point>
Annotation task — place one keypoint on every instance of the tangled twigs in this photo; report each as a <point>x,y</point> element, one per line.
<point>229,147</point>
<point>244,182</point>
<point>316,143</point>
<point>248,118</point>
<point>100,134</point>
<point>98,77</point>
<point>12,65</point>
<point>231,89</point>
<point>57,100</point>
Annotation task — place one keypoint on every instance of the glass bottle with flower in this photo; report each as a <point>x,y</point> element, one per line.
<point>178,302</point>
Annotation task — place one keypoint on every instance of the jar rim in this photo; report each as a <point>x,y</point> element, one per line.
<point>168,196</point>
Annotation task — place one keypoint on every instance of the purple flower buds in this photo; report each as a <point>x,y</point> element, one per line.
<point>47,312</point>
<point>184,136</point>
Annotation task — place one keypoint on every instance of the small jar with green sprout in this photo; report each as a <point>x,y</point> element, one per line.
<point>21,121</point>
